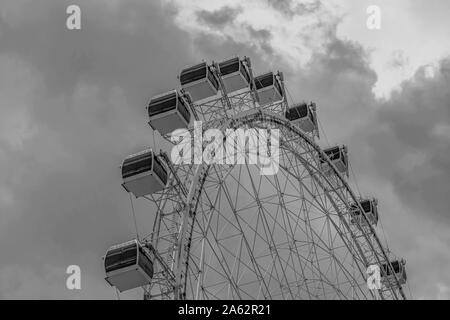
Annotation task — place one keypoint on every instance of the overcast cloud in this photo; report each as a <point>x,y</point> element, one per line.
<point>72,105</point>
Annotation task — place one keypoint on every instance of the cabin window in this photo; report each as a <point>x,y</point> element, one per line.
<point>395,266</point>
<point>343,157</point>
<point>162,105</point>
<point>229,66</point>
<point>301,110</point>
<point>159,170</point>
<point>183,110</point>
<point>120,258</point>
<point>213,79</point>
<point>311,116</point>
<point>194,73</point>
<point>297,112</point>
<point>333,154</point>
<point>234,65</point>
<point>244,72</point>
<point>278,87</point>
<point>264,81</point>
<point>145,263</point>
<point>366,206</point>
<point>137,165</point>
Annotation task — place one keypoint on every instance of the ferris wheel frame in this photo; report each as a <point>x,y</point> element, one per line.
<point>233,111</point>
<point>367,232</point>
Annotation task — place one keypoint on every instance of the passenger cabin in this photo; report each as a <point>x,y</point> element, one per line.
<point>370,209</point>
<point>235,74</point>
<point>143,173</point>
<point>303,115</point>
<point>168,112</point>
<point>128,265</point>
<point>387,276</point>
<point>199,81</point>
<point>269,88</point>
<point>338,156</point>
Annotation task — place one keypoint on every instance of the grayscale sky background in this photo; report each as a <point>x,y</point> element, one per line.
<point>72,106</point>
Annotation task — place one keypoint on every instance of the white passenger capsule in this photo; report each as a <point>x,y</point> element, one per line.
<point>168,111</point>
<point>128,265</point>
<point>235,74</point>
<point>370,209</point>
<point>199,81</point>
<point>388,277</point>
<point>143,173</point>
<point>338,156</point>
<point>269,88</point>
<point>303,115</point>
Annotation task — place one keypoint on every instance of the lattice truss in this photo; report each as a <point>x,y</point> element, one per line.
<point>228,232</point>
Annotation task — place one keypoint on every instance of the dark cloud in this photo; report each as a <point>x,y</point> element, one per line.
<point>211,47</point>
<point>116,45</point>
<point>291,8</point>
<point>399,149</point>
<point>74,103</point>
<point>262,37</point>
<point>261,34</point>
<point>340,80</point>
<point>219,18</point>
<point>86,112</point>
<point>416,135</point>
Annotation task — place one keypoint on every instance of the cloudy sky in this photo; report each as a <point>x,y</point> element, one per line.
<point>72,105</point>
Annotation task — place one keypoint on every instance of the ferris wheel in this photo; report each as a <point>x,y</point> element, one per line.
<point>235,230</point>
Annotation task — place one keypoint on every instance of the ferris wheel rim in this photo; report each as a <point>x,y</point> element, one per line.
<point>250,116</point>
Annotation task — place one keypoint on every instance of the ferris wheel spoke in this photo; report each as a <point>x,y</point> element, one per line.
<point>249,250</point>
<point>292,234</point>
<point>268,233</point>
<point>227,231</point>
<point>330,240</point>
<point>217,240</point>
<point>346,242</point>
